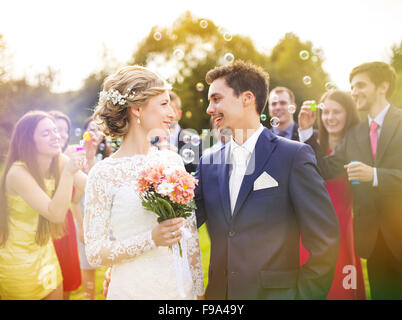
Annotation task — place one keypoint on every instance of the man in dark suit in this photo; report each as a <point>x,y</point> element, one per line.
<point>258,194</point>
<point>371,152</point>
<point>282,105</point>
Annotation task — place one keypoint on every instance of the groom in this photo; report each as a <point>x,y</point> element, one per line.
<point>258,194</point>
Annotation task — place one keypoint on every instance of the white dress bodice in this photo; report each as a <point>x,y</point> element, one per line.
<point>140,269</point>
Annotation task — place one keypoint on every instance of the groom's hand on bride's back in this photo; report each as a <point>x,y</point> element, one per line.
<point>167,232</point>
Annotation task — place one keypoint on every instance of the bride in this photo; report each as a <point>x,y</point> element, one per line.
<point>134,105</point>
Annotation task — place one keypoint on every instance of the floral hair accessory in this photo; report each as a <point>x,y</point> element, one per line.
<point>115,96</point>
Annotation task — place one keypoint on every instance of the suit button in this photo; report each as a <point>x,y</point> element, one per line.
<point>232,233</point>
<point>233,273</point>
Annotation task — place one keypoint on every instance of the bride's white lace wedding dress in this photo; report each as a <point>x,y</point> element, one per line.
<point>140,269</point>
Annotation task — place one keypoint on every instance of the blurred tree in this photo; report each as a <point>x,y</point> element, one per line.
<point>184,53</point>
<point>396,62</point>
<point>298,66</point>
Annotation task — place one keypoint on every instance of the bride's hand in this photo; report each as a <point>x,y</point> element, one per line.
<point>167,232</point>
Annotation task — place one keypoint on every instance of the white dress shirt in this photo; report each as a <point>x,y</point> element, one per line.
<point>240,156</point>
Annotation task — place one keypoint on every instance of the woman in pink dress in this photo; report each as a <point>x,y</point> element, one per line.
<point>334,119</point>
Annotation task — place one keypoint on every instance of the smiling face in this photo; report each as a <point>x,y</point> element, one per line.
<point>225,109</point>
<point>157,115</point>
<point>47,139</point>
<point>62,128</point>
<point>333,117</point>
<point>279,107</point>
<point>364,91</point>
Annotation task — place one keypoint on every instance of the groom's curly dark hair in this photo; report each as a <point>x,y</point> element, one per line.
<point>244,76</point>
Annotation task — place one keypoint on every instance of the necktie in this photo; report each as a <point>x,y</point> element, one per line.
<point>373,137</point>
<point>282,133</point>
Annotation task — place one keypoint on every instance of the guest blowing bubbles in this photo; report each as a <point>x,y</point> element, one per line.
<point>36,191</point>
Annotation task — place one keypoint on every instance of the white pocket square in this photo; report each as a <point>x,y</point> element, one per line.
<point>265,181</point>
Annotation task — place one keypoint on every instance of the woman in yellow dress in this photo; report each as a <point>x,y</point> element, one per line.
<point>35,193</point>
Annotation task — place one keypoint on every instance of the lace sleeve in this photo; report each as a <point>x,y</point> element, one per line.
<point>194,256</point>
<point>100,250</point>
<point>193,245</point>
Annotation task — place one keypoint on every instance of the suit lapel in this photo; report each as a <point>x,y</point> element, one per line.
<point>262,151</point>
<point>221,158</point>
<point>391,122</point>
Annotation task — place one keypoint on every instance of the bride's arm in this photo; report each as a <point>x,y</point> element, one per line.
<point>100,250</point>
<point>194,256</point>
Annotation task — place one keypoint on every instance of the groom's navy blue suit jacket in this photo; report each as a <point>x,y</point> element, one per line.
<point>255,251</point>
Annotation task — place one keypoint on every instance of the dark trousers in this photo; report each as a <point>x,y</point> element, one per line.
<point>384,272</point>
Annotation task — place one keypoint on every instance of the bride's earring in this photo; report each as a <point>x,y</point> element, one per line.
<point>138,121</point>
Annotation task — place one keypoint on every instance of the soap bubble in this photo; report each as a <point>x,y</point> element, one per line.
<point>291,108</point>
<point>204,24</point>
<point>274,122</point>
<point>195,140</point>
<point>186,138</point>
<point>330,86</point>
<point>263,117</point>
<point>188,155</point>
<point>199,86</point>
<point>307,80</point>
<point>178,54</point>
<point>228,57</point>
<point>78,132</point>
<point>304,55</point>
<point>157,36</point>
<point>227,36</point>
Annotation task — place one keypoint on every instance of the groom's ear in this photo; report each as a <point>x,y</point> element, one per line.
<point>248,98</point>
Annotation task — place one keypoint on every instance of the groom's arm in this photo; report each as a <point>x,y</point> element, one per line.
<point>198,197</point>
<point>318,223</point>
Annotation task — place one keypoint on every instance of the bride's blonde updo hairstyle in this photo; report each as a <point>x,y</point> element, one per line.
<point>129,86</point>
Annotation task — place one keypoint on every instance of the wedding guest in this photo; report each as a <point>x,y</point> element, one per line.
<point>36,191</point>
<point>282,105</point>
<point>371,153</point>
<point>338,115</point>
<point>257,195</point>
<point>66,247</point>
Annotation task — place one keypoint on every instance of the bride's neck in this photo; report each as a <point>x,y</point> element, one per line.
<point>135,142</point>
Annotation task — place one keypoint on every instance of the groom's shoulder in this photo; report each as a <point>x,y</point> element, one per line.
<point>213,153</point>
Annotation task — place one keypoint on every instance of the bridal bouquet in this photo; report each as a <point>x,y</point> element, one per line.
<point>168,192</point>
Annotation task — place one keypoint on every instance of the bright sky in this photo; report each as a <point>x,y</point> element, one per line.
<point>69,35</point>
